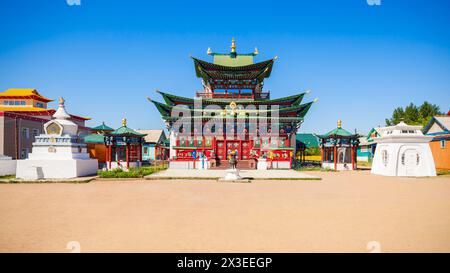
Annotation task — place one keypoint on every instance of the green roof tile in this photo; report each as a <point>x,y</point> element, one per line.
<point>310,140</point>
<point>103,127</point>
<point>94,138</point>
<point>124,130</point>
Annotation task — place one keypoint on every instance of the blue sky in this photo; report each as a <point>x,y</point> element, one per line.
<point>106,57</point>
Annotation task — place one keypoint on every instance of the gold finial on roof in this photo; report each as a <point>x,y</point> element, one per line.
<point>124,122</point>
<point>209,51</point>
<point>256,52</point>
<point>339,123</point>
<point>61,100</point>
<point>233,46</point>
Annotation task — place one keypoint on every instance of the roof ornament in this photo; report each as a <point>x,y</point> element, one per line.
<point>209,51</point>
<point>124,122</point>
<point>339,123</point>
<point>233,46</point>
<point>256,52</point>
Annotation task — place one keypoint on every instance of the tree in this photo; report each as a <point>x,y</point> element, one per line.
<point>414,115</point>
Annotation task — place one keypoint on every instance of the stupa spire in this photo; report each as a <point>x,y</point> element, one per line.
<point>61,112</point>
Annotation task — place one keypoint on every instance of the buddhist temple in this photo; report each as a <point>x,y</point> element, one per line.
<point>123,147</point>
<point>233,113</point>
<point>339,148</point>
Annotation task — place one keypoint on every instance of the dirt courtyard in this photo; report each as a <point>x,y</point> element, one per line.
<point>344,212</point>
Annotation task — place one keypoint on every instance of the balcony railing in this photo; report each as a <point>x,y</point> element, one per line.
<point>234,95</point>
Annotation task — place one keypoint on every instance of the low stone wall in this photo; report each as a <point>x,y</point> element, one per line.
<point>7,167</point>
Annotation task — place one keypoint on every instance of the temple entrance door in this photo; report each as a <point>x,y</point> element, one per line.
<point>221,151</point>
<point>245,150</point>
<point>233,145</point>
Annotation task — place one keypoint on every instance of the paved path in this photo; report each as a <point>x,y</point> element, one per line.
<point>215,174</point>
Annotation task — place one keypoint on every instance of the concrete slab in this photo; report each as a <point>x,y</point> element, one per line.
<point>245,174</point>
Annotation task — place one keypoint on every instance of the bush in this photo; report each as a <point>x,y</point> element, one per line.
<point>131,173</point>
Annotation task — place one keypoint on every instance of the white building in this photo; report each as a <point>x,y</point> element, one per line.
<point>59,153</point>
<point>403,150</point>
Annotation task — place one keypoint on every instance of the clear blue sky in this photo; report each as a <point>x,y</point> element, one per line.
<point>106,57</point>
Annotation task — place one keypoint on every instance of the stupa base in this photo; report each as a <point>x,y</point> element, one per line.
<point>33,169</point>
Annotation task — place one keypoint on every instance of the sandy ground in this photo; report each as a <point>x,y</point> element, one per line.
<point>341,213</point>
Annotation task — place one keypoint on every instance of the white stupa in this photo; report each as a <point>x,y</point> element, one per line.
<point>403,150</point>
<point>59,153</point>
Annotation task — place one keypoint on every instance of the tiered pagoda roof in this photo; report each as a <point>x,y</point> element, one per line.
<point>176,100</point>
<point>208,71</point>
<point>234,79</point>
<point>291,112</point>
<point>23,93</point>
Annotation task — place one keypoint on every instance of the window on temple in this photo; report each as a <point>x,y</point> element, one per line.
<point>24,153</point>
<point>442,144</point>
<point>39,104</point>
<point>35,132</point>
<point>25,133</point>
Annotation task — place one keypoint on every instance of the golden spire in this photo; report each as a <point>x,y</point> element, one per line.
<point>233,46</point>
<point>61,100</point>
<point>124,122</point>
<point>209,51</point>
<point>256,52</point>
<point>339,123</point>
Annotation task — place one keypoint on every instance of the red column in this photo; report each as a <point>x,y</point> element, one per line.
<point>240,149</point>
<point>109,156</point>
<point>106,154</point>
<point>335,157</point>
<point>353,157</point>
<point>321,153</point>
<point>127,151</point>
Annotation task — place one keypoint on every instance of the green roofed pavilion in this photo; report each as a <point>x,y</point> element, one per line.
<point>339,149</point>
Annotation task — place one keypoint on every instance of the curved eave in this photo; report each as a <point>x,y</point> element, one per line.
<point>299,110</point>
<point>174,100</point>
<point>205,69</point>
<point>338,136</point>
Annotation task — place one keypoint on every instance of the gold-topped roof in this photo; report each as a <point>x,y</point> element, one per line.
<point>24,92</point>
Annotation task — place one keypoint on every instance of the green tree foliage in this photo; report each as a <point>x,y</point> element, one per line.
<point>414,115</point>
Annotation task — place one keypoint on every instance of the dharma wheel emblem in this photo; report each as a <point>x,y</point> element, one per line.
<point>233,105</point>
